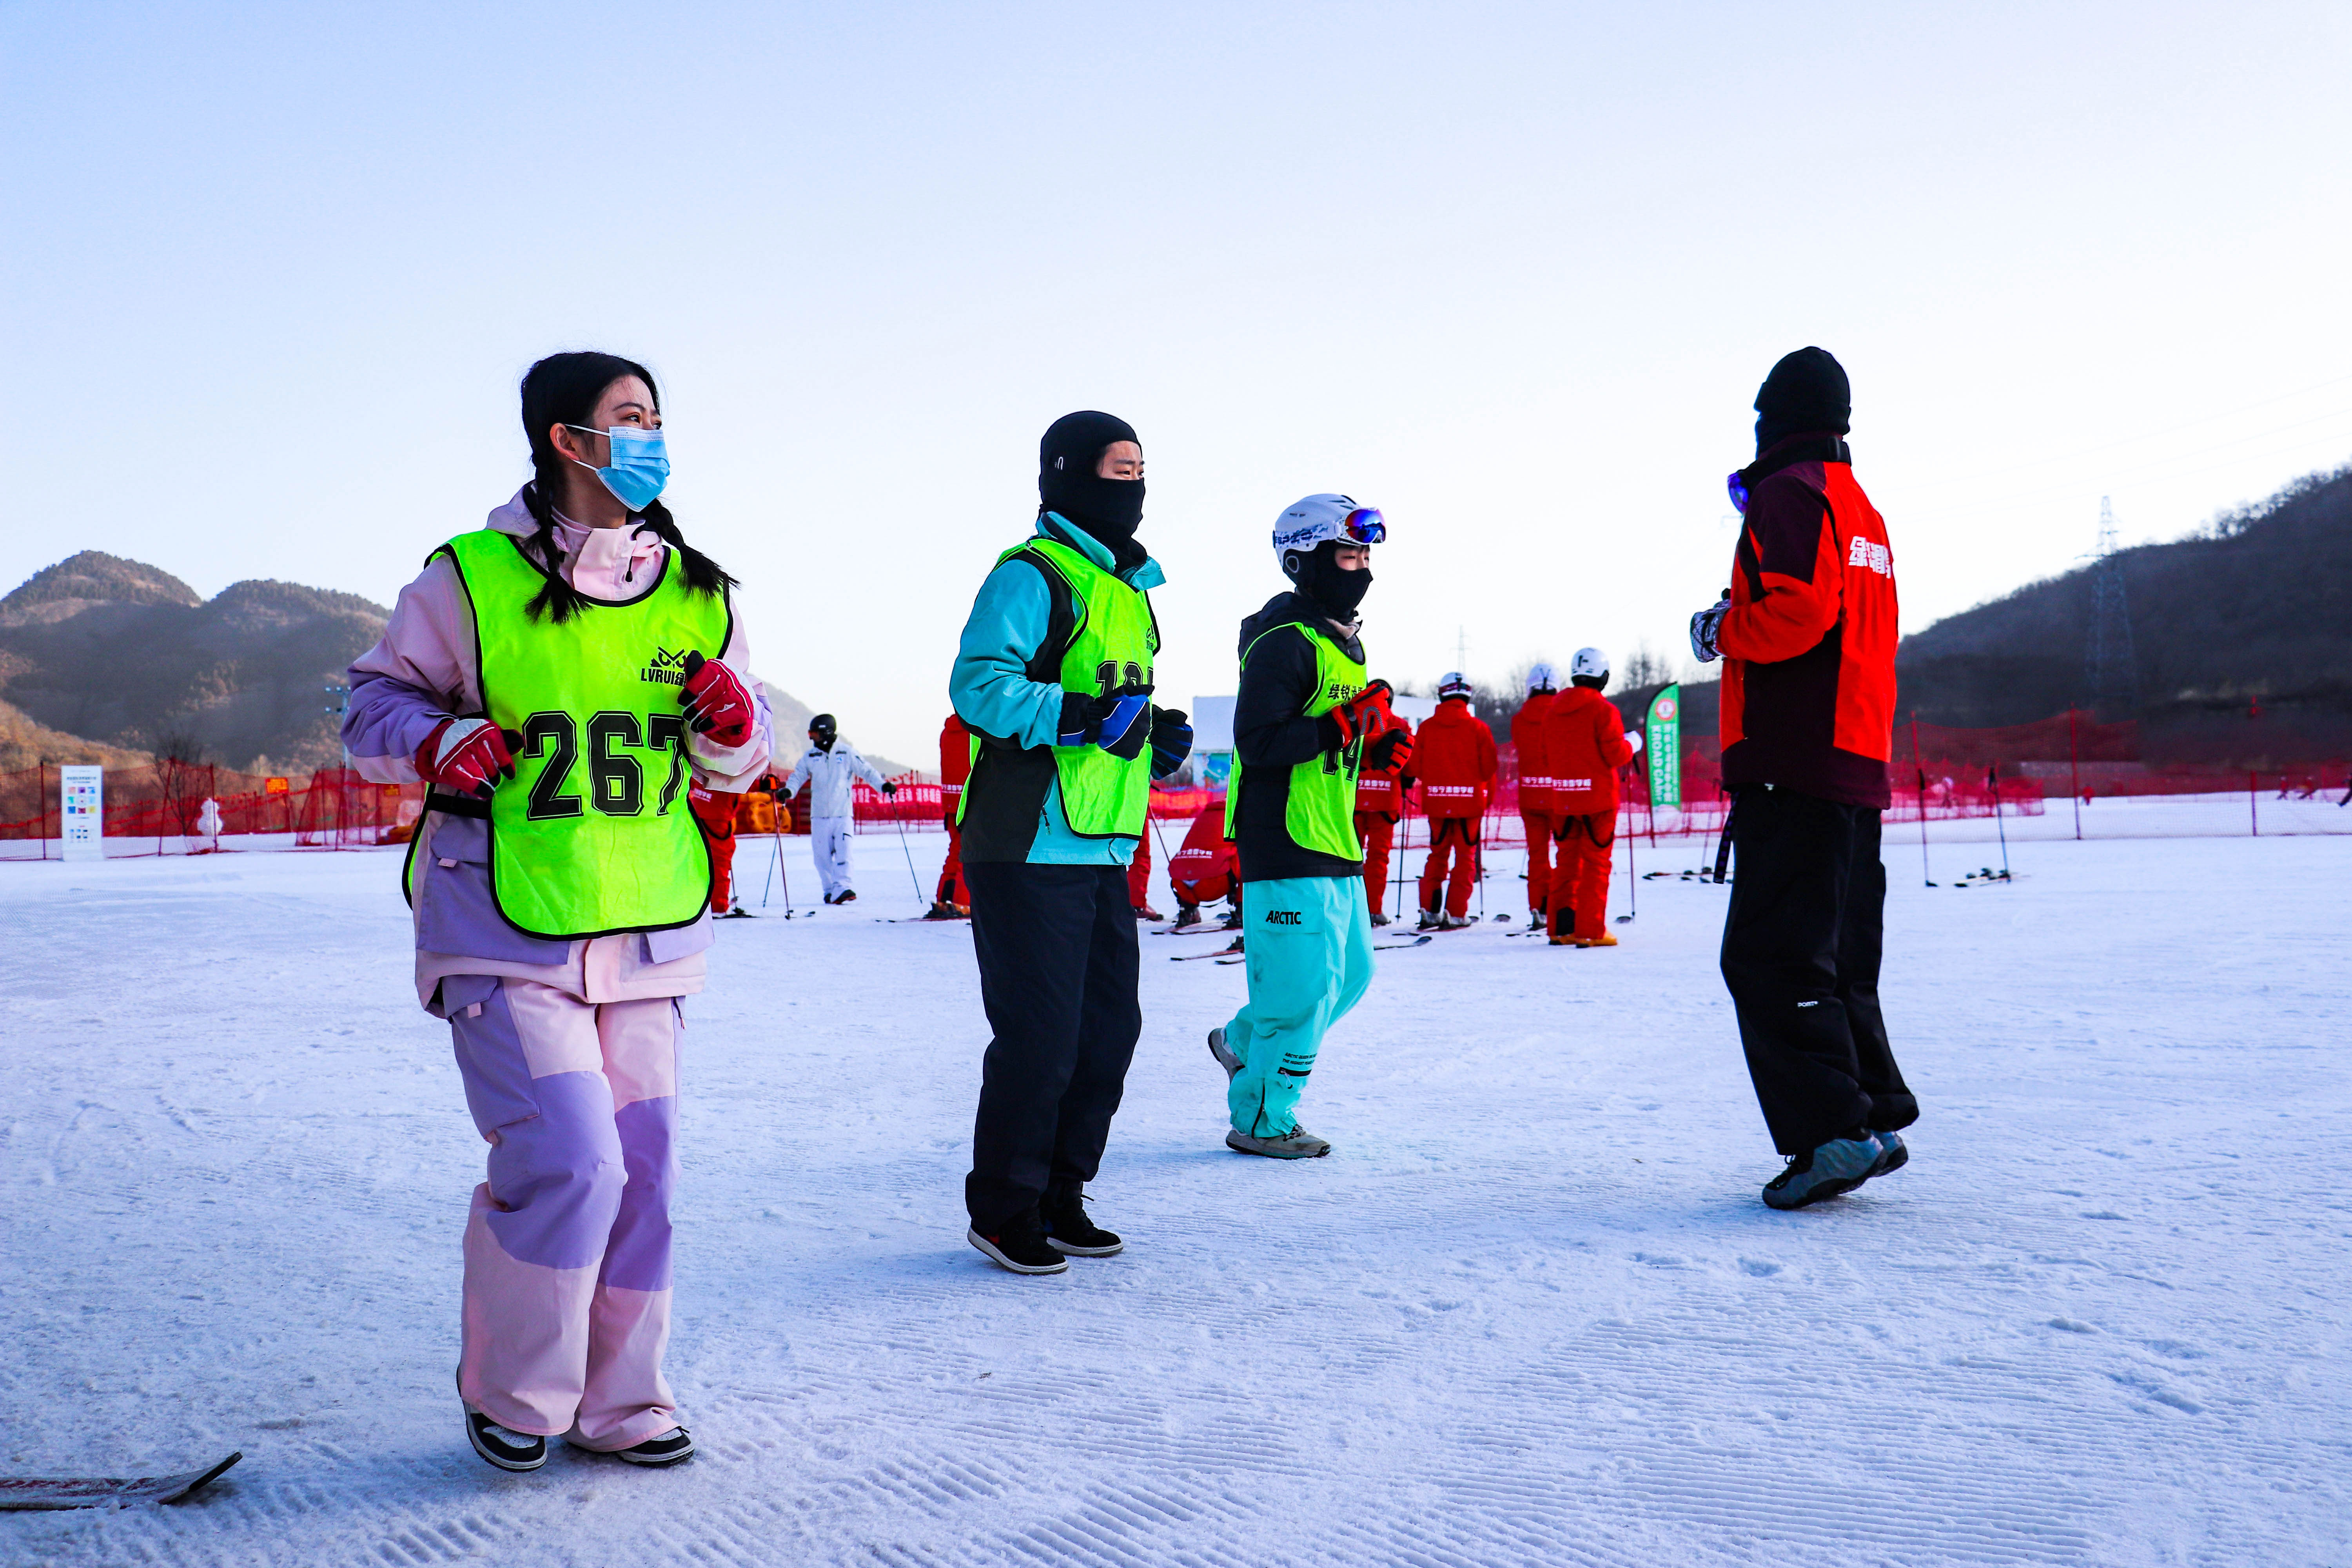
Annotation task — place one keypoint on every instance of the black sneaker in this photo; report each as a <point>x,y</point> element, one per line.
<point>848,896</point>
<point>509,1450</point>
<point>1020,1245</point>
<point>1068,1228</point>
<point>673,1447</point>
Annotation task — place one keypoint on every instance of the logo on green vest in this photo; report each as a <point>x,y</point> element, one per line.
<point>667,667</point>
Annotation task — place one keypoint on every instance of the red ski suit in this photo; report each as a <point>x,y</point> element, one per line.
<point>1536,813</point>
<point>1453,760</point>
<point>1379,798</point>
<point>955,766</point>
<point>716,812</point>
<point>1584,741</point>
<point>1202,871</point>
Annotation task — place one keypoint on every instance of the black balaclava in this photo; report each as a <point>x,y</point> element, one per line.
<point>1109,510</point>
<point>1320,581</point>
<point>1806,391</point>
<point>822,729</point>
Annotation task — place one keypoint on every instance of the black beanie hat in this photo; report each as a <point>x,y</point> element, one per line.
<point>1109,510</point>
<point>1806,391</point>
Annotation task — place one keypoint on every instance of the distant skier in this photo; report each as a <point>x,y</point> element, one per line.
<point>1202,870</point>
<point>1584,742</point>
<point>1455,760</point>
<point>1303,722</point>
<point>1807,634</point>
<point>827,766</point>
<point>556,677</point>
<point>715,810</point>
<point>1536,814</point>
<point>952,901</point>
<point>1052,674</point>
<point>1380,800</point>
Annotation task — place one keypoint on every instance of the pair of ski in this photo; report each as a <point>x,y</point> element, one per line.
<point>1234,954</point>
<point>38,1492</point>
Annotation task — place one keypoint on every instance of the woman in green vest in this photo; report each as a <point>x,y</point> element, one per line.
<point>1305,724</point>
<point>559,677</point>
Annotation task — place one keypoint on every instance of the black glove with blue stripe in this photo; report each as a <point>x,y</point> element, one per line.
<point>1172,739</point>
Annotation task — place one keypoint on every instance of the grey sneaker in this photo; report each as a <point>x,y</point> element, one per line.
<point>1225,1058</point>
<point>1833,1170</point>
<point>1296,1144</point>
<point>1893,1155</point>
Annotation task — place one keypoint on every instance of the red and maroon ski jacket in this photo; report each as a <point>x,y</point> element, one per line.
<point>1809,643</point>
<point>1584,743</point>
<point>1453,759</point>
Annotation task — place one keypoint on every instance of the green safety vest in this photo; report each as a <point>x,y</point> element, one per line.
<point>1322,815</point>
<point>593,835</point>
<point>1108,635</point>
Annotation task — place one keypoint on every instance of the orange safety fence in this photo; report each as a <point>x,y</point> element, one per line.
<point>334,808</point>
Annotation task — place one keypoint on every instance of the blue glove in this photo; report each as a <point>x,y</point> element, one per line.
<point>1705,627</point>
<point>1171,740</point>
<point>1120,724</point>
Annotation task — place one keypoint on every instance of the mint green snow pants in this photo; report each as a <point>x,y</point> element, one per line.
<point>1309,952</point>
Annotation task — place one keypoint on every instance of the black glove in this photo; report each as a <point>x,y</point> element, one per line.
<point>1171,740</point>
<point>1120,724</point>
<point>1705,627</point>
<point>1389,747</point>
<point>888,788</point>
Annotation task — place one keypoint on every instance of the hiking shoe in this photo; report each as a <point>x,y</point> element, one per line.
<point>1224,1053</point>
<point>1187,916</point>
<point>1892,1154</point>
<point>673,1447</point>
<point>1068,1229</point>
<point>1020,1245</point>
<point>1833,1170</point>
<point>506,1448</point>
<point>1296,1144</point>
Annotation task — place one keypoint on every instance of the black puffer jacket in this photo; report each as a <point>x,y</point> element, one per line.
<point>1272,735</point>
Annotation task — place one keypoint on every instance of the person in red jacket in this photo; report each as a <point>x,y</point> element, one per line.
<point>1453,759</point>
<point>1807,634</point>
<point>1379,798</point>
<point>1536,814</point>
<point>1202,870</point>
<point>953,900</point>
<point>1586,742</point>
<point>1139,879</point>
<point>715,810</point>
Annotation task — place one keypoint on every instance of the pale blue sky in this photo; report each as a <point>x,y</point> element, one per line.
<point>1511,273</point>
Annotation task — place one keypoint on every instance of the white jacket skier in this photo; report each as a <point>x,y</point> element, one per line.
<point>827,767</point>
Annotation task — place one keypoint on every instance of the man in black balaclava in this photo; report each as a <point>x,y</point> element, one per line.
<point>1807,634</point>
<point>1053,679</point>
<point>1104,498</point>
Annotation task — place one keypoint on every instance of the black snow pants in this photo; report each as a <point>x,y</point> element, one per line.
<point>1058,961</point>
<point>1801,954</point>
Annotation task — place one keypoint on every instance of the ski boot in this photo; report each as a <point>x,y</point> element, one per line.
<point>1830,1171</point>
<point>941,910</point>
<point>1454,922</point>
<point>1146,912</point>
<point>1233,920</point>
<point>1603,939</point>
<point>1296,1144</point>
<point>1069,1229</point>
<point>1187,917</point>
<point>1378,919</point>
<point>736,912</point>
<point>1431,919</point>
<point>1535,921</point>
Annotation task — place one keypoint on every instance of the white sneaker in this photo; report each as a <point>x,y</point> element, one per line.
<point>1296,1144</point>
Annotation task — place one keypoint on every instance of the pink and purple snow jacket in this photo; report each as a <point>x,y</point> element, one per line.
<point>424,670</point>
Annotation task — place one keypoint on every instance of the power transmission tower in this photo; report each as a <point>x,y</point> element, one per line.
<point>2110,668</point>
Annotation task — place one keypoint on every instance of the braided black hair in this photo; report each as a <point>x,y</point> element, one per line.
<point>564,389</point>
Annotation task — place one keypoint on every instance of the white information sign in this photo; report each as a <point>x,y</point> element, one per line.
<point>82,802</point>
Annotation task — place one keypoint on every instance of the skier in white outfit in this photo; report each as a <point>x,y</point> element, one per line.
<point>827,766</point>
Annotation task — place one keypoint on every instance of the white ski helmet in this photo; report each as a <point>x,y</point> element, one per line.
<point>1590,661</point>
<point>1454,685</point>
<point>1542,677</point>
<point>1308,523</point>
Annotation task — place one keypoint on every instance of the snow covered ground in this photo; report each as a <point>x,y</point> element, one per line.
<point>1529,1312</point>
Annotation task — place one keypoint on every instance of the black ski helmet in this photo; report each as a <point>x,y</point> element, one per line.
<point>822,729</point>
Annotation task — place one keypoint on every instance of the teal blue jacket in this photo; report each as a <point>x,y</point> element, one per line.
<point>992,693</point>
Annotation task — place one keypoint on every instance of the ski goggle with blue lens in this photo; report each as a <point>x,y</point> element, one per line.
<point>1364,526</point>
<point>1738,489</point>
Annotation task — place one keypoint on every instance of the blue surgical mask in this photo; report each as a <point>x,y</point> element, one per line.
<point>639,465</point>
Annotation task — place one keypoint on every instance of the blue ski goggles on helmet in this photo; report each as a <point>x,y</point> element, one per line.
<point>1364,526</point>
<point>1738,486</point>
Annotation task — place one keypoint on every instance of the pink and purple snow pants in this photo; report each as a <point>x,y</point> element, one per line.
<point>567,1249</point>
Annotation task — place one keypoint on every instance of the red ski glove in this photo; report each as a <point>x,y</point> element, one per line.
<point>1366,713</point>
<point>718,704</point>
<point>466,756</point>
<point>1392,747</point>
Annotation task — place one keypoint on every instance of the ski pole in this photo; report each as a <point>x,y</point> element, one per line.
<point>773,862</point>
<point>1921,769</point>
<point>1633,886</point>
<point>1992,777</point>
<point>907,850</point>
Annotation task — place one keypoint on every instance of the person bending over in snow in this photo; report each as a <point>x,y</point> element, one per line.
<point>829,765</point>
<point>557,678</point>
<point>1807,634</point>
<point>1053,677</point>
<point>1584,742</point>
<point>1456,765</point>
<point>1201,871</point>
<point>1305,722</point>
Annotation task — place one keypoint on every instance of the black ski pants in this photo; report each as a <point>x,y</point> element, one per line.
<point>1801,955</point>
<point>1058,963</point>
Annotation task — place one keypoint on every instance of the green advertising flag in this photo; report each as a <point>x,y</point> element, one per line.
<point>1664,744</point>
